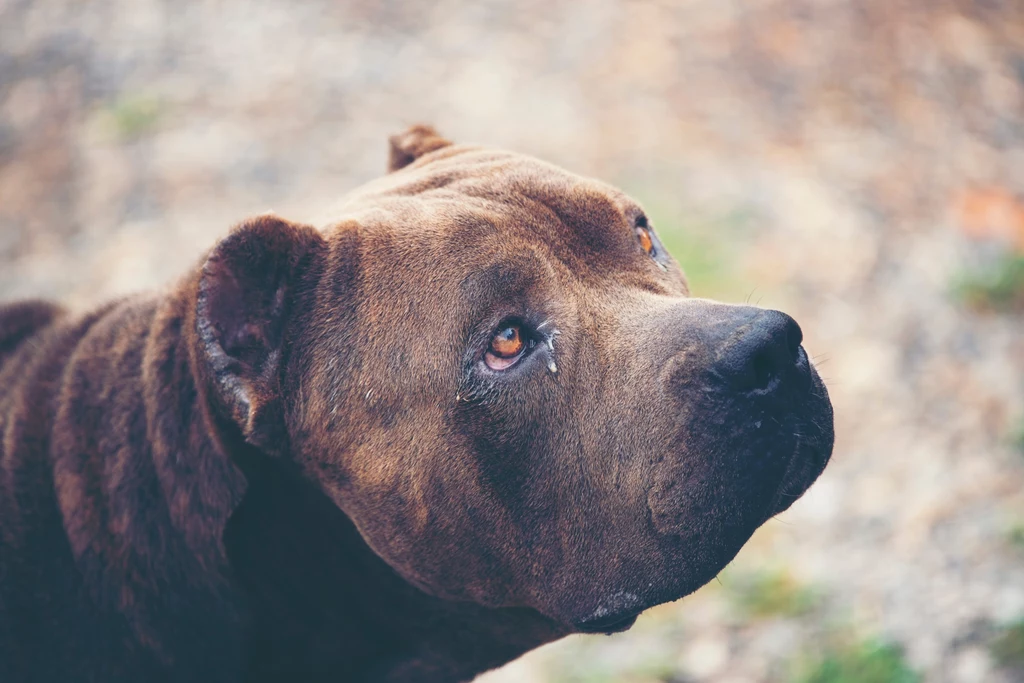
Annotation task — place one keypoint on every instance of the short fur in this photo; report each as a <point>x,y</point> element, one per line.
<point>295,464</point>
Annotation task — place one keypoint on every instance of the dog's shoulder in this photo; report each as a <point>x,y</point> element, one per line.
<point>21,320</point>
<point>111,493</point>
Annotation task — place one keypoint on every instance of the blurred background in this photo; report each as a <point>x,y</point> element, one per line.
<point>859,164</point>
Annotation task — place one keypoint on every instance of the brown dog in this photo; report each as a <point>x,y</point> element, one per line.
<point>477,413</point>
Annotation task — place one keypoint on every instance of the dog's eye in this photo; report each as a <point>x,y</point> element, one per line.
<point>643,235</point>
<point>507,346</point>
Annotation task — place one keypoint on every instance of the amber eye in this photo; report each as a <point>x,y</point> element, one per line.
<point>644,235</point>
<point>506,347</point>
<point>508,342</point>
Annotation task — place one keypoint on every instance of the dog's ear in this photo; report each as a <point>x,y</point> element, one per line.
<point>247,293</point>
<point>410,145</point>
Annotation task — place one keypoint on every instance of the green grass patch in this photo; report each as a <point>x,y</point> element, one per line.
<point>1015,535</point>
<point>579,667</point>
<point>131,117</point>
<point>1007,648</point>
<point>1017,437</point>
<point>706,264</point>
<point>996,287</point>
<point>706,246</point>
<point>769,594</point>
<point>867,661</point>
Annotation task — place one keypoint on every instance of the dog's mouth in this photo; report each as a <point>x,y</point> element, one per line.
<point>617,613</point>
<point>805,466</point>
<point>811,453</point>
<point>613,623</point>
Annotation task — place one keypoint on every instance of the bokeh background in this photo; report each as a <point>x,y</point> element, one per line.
<point>859,164</point>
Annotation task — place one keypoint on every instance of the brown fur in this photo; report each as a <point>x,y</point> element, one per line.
<point>294,466</point>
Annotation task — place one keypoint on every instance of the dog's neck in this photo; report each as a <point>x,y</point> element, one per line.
<point>326,607</point>
<point>219,562</point>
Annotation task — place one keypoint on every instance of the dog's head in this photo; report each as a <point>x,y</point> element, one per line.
<point>495,369</point>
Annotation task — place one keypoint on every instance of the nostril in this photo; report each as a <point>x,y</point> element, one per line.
<point>794,338</point>
<point>764,370</point>
<point>767,351</point>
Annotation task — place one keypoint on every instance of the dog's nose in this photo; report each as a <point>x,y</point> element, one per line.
<point>768,350</point>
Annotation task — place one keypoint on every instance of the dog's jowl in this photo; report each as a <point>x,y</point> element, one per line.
<point>477,412</point>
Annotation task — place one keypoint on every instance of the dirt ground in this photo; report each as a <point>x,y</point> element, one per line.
<point>859,164</point>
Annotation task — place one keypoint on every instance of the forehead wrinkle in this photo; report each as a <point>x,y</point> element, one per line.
<point>460,167</point>
<point>548,249</point>
<point>527,205</point>
<point>509,278</point>
<point>572,235</point>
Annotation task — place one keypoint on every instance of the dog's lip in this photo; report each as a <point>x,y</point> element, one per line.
<point>613,623</point>
<point>805,465</point>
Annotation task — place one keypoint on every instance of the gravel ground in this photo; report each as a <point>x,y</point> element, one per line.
<point>850,162</point>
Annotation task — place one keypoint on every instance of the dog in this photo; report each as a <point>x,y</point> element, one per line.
<point>476,413</point>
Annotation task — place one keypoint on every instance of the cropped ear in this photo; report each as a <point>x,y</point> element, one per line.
<point>247,295</point>
<point>409,146</point>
